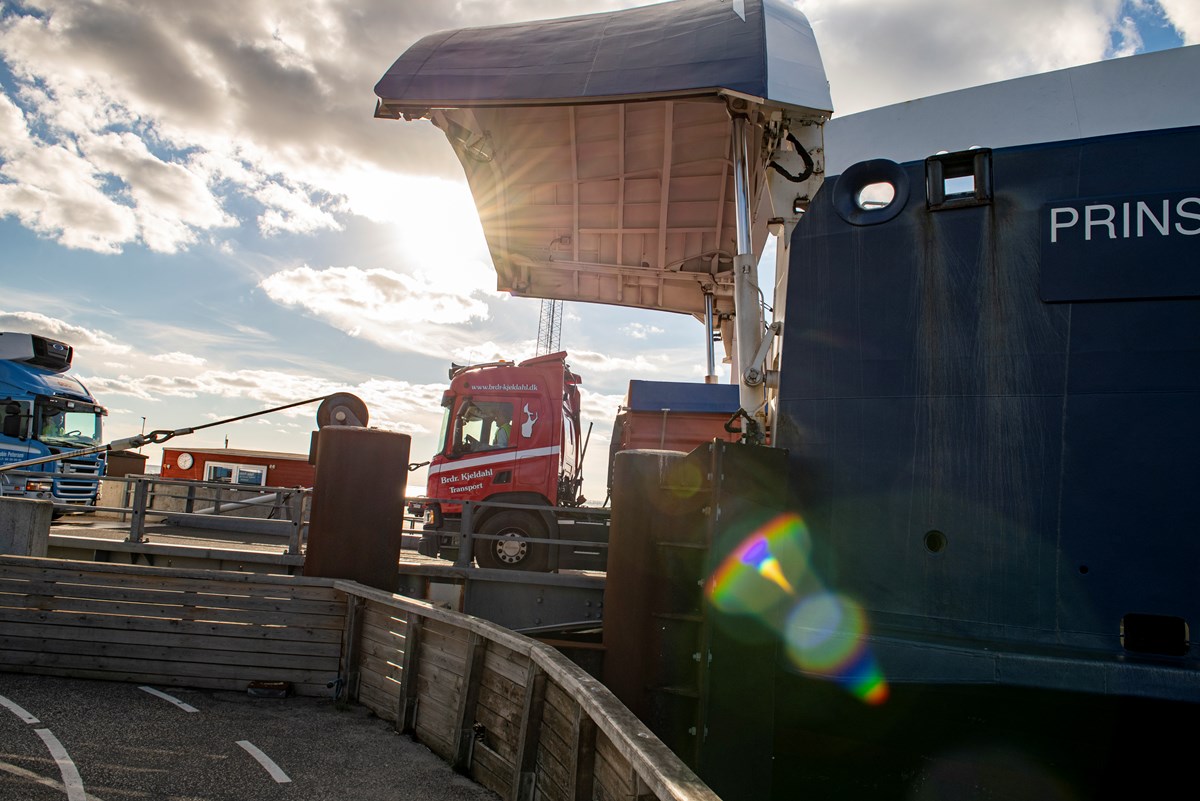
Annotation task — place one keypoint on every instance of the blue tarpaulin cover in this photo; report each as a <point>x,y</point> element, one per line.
<point>654,396</point>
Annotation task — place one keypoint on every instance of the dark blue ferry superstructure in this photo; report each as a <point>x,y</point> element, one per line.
<point>990,407</point>
<point>989,403</point>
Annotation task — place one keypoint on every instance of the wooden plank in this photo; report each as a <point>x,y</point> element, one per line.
<point>610,785</point>
<point>450,640</point>
<point>307,689</point>
<point>382,653</point>
<point>118,650</point>
<point>614,775</point>
<point>271,633</point>
<point>447,664</point>
<point>432,691</point>
<point>383,705</point>
<point>385,684</point>
<point>386,618</point>
<point>556,725</point>
<point>525,761</point>
<point>503,685</point>
<point>383,622</point>
<point>434,732</point>
<point>383,671</point>
<point>259,584</point>
<point>435,641</point>
<point>468,698</point>
<point>181,612</point>
<point>455,620</point>
<point>507,663</point>
<point>389,673</point>
<point>501,732</point>
<point>349,669</point>
<point>490,769</point>
<point>211,642</point>
<point>503,702</point>
<point>499,712</point>
<point>551,778</point>
<point>118,664</point>
<point>406,704</point>
<point>371,644</point>
<point>381,637</point>
<point>181,594</point>
<point>583,757</point>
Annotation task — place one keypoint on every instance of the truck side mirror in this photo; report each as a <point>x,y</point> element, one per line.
<point>12,420</point>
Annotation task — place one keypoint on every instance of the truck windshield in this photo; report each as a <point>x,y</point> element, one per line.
<point>482,425</point>
<point>69,427</point>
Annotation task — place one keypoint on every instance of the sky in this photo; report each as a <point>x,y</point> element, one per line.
<point>197,197</point>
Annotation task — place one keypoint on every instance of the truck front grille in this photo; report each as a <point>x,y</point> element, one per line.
<point>78,480</point>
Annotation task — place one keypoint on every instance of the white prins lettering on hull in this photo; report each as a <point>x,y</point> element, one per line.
<point>1128,219</point>
<point>467,476</point>
<point>467,488</point>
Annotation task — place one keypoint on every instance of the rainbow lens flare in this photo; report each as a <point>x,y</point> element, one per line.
<point>826,636</point>
<point>754,577</point>
<point>768,576</point>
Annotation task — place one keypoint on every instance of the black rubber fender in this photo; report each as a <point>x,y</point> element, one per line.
<point>858,176</point>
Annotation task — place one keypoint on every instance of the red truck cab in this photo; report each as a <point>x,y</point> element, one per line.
<point>510,434</point>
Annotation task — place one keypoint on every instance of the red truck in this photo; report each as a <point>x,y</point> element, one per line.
<point>511,435</point>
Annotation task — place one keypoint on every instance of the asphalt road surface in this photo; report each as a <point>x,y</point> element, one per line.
<point>108,741</point>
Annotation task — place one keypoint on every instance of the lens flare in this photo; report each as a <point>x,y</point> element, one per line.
<point>754,577</point>
<point>685,481</point>
<point>825,635</point>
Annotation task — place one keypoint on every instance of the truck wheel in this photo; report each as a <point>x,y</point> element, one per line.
<point>512,552</point>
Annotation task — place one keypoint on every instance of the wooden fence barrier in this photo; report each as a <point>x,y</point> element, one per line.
<point>194,628</point>
<point>514,714</point>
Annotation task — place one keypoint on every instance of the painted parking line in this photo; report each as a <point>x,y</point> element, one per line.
<point>276,773</point>
<point>30,776</point>
<point>173,700</point>
<point>17,710</point>
<point>72,783</point>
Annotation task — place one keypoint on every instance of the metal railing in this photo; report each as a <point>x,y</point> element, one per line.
<point>281,515</point>
<point>277,513</point>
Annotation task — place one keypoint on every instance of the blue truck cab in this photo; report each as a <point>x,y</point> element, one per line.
<point>44,411</point>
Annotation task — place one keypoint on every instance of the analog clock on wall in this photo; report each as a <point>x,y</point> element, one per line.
<point>184,461</point>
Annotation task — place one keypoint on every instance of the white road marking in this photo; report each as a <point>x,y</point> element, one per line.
<point>29,775</point>
<point>18,711</point>
<point>175,701</point>
<point>70,774</point>
<point>264,760</point>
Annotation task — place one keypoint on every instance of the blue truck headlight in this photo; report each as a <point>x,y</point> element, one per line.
<point>38,485</point>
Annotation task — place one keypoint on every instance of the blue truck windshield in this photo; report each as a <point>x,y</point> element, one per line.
<point>69,428</point>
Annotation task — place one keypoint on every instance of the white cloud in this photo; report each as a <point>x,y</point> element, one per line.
<point>372,303</point>
<point>879,53</point>
<point>641,330</point>
<point>154,122</point>
<point>1184,16</point>
<point>81,339</point>
<point>638,364</point>
<point>183,359</point>
<point>1130,38</point>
